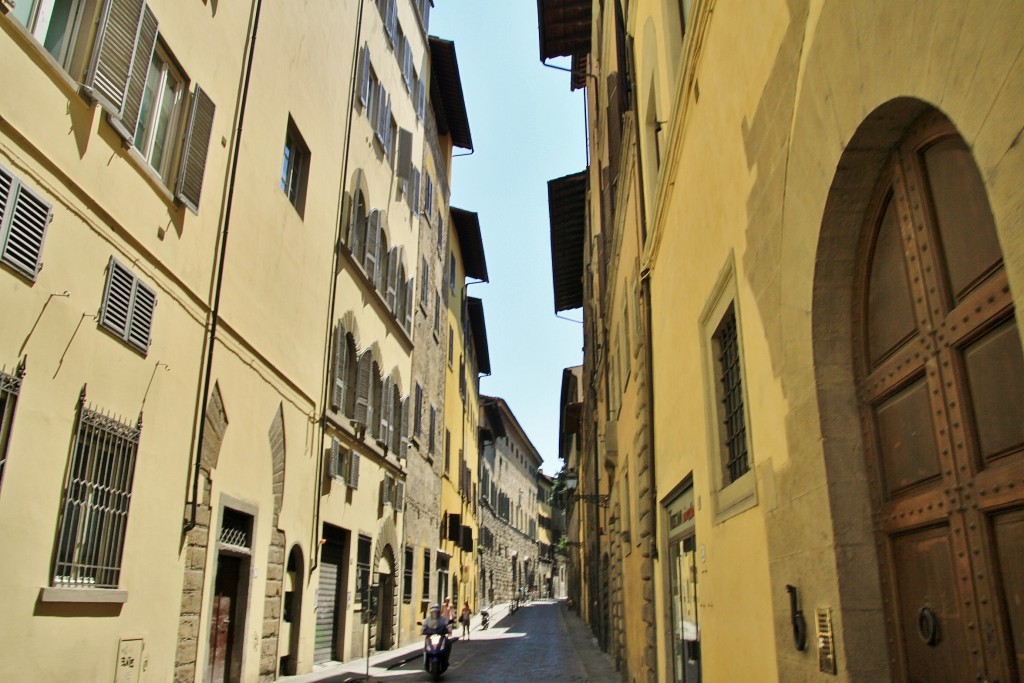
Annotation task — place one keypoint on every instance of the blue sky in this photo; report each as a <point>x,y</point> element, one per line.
<point>527,129</point>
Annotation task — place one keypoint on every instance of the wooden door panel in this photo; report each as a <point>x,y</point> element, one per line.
<point>926,580</point>
<point>220,628</point>
<point>891,318</point>
<point>906,438</point>
<point>1008,530</point>
<point>994,366</point>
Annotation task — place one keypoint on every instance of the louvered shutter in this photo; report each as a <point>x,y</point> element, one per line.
<point>372,234</point>
<point>385,410</point>
<point>395,434</point>
<point>426,16</point>
<point>403,449</point>
<point>389,138</point>
<point>137,82</point>
<point>380,126</point>
<point>357,240</point>
<point>414,195</point>
<point>364,380</point>
<point>353,470</point>
<point>24,219</point>
<point>392,288</point>
<point>407,64</point>
<point>421,103</point>
<point>392,21</point>
<point>340,365</point>
<point>334,466</point>
<point>117,299</point>
<point>386,490</point>
<point>399,495</point>
<point>373,411</point>
<point>364,79</point>
<point>141,324</point>
<point>113,53</point>
<point>410,293</point>
<point>194,149</point>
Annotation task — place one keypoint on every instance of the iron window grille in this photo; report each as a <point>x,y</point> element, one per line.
<point>731,380</point>
<point>97,495</point>
<point>236,530</point>
<point>10,386</point>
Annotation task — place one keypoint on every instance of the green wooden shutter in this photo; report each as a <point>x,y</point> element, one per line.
<point>195,149</point>
<point>113,53</point>
<point>24,219</point>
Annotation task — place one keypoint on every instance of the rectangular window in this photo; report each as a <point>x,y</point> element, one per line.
<point>10,385</point>
<point>295,167</point>
<point>128,306</point>
<point>428,196</point>
<point>440,234</point>
<point>437,316</point>
<point>417,422</point>
<point>407,576</point>
<point>94,511</point>
<point>51,22</point>
<point>160,112</point>
<point>451,346</point>
<point>447,451</point>
<point>425,284</point>
<point>24,218</point>
<point>451,271</point>
<point>425,597</point>
<point>433,429</point>
<point>363,571</point>
<point>726,344</point>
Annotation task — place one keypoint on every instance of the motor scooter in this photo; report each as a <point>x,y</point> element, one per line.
<point>435,652</point>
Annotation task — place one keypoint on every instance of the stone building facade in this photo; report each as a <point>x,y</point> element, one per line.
<point>509,506</point>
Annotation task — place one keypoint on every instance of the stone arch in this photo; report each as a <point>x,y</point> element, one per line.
<point>387,537</point>
<point>351,323</point>
<point>358,182</point>
<point>396,378</point>
<point>385,563</point>
<point>856,552</point>
<point>277,454</point>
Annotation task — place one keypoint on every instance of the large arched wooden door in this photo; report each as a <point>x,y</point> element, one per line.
<point>941,383</point>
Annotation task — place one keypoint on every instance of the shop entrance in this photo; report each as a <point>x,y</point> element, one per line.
<point>683,582</point>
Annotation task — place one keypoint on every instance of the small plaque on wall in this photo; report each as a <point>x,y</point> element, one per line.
<point>129,661</point>
<point>826,641</point>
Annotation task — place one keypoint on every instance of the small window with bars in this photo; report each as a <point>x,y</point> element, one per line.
<point>363,570</point>
<point>97,494</point>
<point>425,596</point>
<point>10,386</point>
<point>730,397</point>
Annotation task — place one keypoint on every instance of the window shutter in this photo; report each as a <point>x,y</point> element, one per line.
<point>386,490</point>
<point>24,218</point>
<point>364,380</point>
<point>385,410</point>
<point>426,15</point>
<point>381,125</point>
<point>137,82</point>
<point>410,294</point>
<point>388,137</point>
<point>414,196</point>
<point>392,288</point>
<point>117,301</point>
<point>143,307</point>
<point>357,239</point>
<point>353,470</point>
<point>340,364</point>
<point>373,410</point>
<point>399,495</point>
<point>392,23</point>
<point>194,149</point>
<point>407,64</point>
<point>111,67</point>
<point>403,449</point>
<point>421,103</point>
<point>395,432</point>
<point>334,467</point>
<point>370,258</point>
<point>428,198</point>
<point>364,82</point>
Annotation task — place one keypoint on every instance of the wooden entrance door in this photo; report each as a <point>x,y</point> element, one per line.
<point>329,610</point>
<point>222,622</point>
<point>941,381</point>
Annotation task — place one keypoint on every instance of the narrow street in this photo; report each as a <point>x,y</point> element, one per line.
<point>542,641</point>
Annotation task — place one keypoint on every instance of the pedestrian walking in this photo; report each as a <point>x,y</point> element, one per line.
<point>446,612</point>
<point>464,619</point>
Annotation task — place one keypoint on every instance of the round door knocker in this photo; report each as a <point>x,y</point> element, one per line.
<point>928,626</point>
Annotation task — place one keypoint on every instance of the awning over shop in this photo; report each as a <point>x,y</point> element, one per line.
<point>471,243</point>
<point>446,94</point>
<point>567,202</point>
<point>564,27</point>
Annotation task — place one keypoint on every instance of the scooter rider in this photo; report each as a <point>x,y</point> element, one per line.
<point>437,623</point>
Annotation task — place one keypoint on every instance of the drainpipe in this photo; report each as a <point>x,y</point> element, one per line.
<point>314,553</point>
<point>219,277</point>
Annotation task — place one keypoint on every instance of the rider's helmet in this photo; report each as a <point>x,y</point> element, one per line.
<point>435,608</point>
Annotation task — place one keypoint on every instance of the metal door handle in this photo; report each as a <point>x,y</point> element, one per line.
<point>928,626</point>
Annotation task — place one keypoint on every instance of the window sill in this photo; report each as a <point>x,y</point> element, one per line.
<point>84,595</point>
<point>737,497</point>
<point>38,54</point>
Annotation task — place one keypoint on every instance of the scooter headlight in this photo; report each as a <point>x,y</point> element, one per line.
<point>435,640</point>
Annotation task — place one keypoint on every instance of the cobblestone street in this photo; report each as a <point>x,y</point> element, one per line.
<point>542,641</point>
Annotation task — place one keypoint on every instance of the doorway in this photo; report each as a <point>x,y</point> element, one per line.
<point>227,619</point>
<point>682,548</point>
<point>331,598</point>
<point>292,614</point>
<point>940,377</point>
<point>386,584</point>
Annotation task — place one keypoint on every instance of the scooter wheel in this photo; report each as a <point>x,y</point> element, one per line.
<point>435,670</point>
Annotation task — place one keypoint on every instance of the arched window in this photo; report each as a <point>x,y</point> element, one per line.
<point>344,372</point>
<point>357,227</point>
<point>370,259</point>
<point>941,380</point>
<point>384,264</point>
